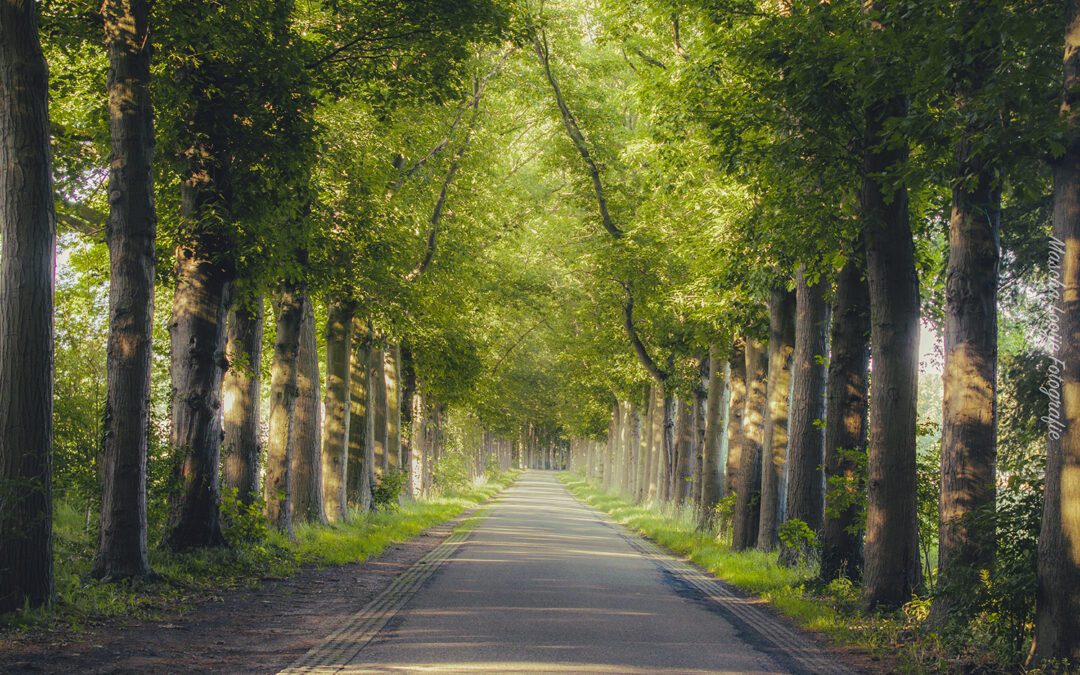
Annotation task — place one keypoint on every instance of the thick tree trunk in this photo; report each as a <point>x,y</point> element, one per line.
<point>337,407</point>
<point>748,486</point>
<point>736,412</point>
<point>130,232</point>
<point>307,427</point>
<point>969,410</point>
<point>892,571</point>
<point>846,400</point>
<point>1057,604</point>
<point>712,483</point>
<point>241,449</point>
<point>284,390</point>
<point>198,354</point>
<point>356,472</point>
<point>775,439</point>
<point>28,233</point>
<point>806,489</point>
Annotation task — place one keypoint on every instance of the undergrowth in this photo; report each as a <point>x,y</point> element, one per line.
<point>255,554</point>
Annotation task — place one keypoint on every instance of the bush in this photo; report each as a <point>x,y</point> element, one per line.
<point>388,489</point>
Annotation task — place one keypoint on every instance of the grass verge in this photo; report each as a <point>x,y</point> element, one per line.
<point>830,610</point>
<point>256,554</point>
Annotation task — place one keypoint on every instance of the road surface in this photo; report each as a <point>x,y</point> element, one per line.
<point>543,583</point>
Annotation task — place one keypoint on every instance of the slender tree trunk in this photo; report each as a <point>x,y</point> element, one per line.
<point>284,390</point>
<point>407,375</point>
<point>373,377</point>
<point>736,412</point>
<point>28,233</point>
<point>806,481</point>
<point>969,410</point>
<point>774,445</point>
<point>356,472</point>
<point>241,449</point>
<point>337,407</point>
<point>393,406</point>
<point>649,486</point>
<point>892,571</point>
<point>378,411</point>
<point>307,427</point>
<point>684,433</point>
<point>846,400</point>
<point>1057,604</point>
<point>748,487</point>
<point>712,482</point>
<point>667,448</point>
<point>130,234</point>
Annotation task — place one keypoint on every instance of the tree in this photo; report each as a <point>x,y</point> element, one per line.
<point>748,482</point>
<point>28,234</point>
<point>241,448</point>
<point>130,234</point>
<point>1057,617</point>
<point>775,434</point>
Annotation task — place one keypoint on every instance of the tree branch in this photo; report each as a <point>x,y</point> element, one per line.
<point>647,361</point>
<point>540,45</point>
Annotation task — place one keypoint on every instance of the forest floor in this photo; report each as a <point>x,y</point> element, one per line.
<point>241,631</point>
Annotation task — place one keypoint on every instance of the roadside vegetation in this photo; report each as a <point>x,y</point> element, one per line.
<point>257,553</point>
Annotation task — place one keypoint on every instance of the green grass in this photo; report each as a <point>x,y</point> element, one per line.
<point>184,580</point>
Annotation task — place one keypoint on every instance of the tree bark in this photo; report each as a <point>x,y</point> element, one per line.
<point>28,233</point>
<point>373,377</point>
<point>846,400</point>
<point>358,486</point>
<point>130,232</point>
<point>1057,604</point>
<point>337,405</point>
<point>284,390</point>
<point>775,439</point>
<point>307,427</point>
<point>748,490</point>
<point>712,483</point>
<point>736,413</point>
<point>242,400</point>
<point>892,571</point>
<point>379,411</point>
<point>683,475</point>
<point>969,410</point>
<point>806,481</point>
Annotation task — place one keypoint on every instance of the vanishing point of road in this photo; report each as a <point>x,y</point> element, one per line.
<point>539,582</point>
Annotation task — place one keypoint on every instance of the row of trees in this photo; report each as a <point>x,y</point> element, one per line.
<point>711,231</point>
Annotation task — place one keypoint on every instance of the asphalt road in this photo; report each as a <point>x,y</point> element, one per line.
<point>545,584</point>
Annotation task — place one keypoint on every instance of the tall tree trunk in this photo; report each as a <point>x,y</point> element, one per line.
<point>748,486</point>
<point>373,377</point>
<point>892,571</point>
<point>393,406</point>
<point>240,387</point>
<point>684,432</point>
<point>130,234</point>
<point>846,400</point>
<point>712,482</point>
<point>667,447</point>
<point>28,233</point>
<point>806,489</point>
<point>1057,604</point>
<point>198,353</point>
<point>378,411</point>
<point>337,407</point>
<point>407,373</point>
<point>652,439</point>
<point>736,412</point>
<point>204,274</point>
<point>356,472</point>
<point>307,427</point>
<point>775,440</point>
<point>969,410</point>
<point>284,389</point>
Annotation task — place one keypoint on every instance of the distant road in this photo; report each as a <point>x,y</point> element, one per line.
<point>543,583</point>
